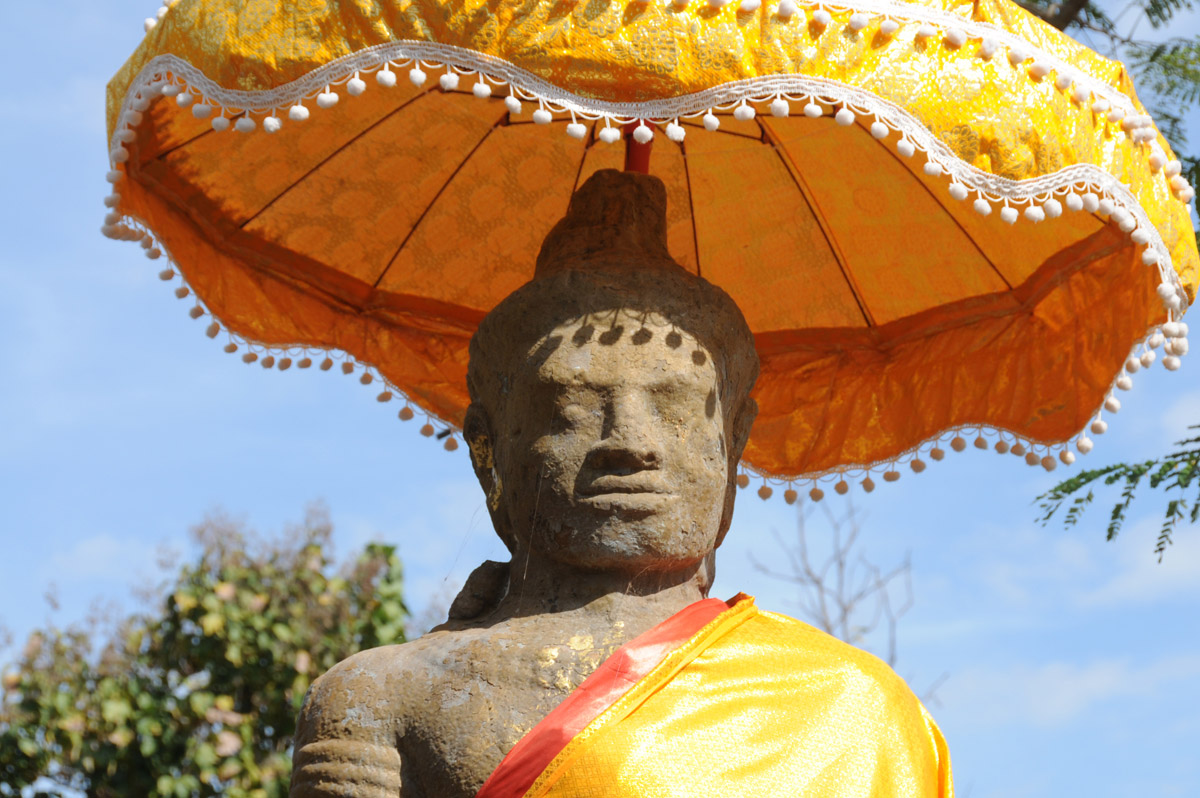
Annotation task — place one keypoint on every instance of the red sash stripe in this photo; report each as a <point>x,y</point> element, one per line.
<point>626,667</point>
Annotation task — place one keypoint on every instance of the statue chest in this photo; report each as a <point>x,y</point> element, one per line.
<point>484,696</point>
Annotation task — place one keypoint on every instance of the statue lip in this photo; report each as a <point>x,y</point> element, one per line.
<point>640,483</point>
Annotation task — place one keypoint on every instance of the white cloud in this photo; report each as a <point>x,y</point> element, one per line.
<point>1030,565</point>
<point>439,546</point>
<point>1034,566</point>
<point>1056,693</point>
<point>1179,415</point>
<point>103,557</point>
<point>1143,578</point>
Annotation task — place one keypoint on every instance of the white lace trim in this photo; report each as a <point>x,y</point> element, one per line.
<point>1096,189</point>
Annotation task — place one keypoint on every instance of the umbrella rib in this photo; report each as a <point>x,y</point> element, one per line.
<point>334,154</point>
<point>183,144</point>
<point>687,177</point>
<point>723,132</point>
<point>586,149</point>
<point>501,122</point>
<point>953,218</point>
<point>793,169</point>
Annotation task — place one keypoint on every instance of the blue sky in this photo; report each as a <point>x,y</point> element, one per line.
<point>1073,664</point>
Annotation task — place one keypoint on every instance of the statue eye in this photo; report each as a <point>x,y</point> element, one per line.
<point>568,415</point>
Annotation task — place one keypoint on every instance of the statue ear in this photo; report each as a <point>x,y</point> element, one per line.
<point>477,432</point>
<point>740,433</point>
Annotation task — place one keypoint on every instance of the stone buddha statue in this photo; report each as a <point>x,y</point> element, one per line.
<point>610,404</point>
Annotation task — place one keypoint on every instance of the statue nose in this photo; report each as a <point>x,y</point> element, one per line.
<point>626,441</point>
<point>621,458</point>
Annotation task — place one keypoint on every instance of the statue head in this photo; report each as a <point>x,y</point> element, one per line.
<point>610,395</point>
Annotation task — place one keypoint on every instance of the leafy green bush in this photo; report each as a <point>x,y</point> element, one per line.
<point>199,697</point>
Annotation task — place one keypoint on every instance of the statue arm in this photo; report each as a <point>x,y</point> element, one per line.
<point>345,746</point>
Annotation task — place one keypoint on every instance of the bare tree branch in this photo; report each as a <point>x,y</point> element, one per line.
<point>844,594</point>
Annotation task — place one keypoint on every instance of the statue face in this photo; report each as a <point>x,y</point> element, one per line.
<point>612,453</point>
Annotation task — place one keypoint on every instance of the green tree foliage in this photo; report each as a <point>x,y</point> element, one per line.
<point>1167,72</point>
<point>1166,69</point>
<point>198,697</point>
<point>1174,473</point>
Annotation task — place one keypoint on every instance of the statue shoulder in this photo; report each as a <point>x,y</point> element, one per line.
<point>809,648</point>
<point>365,695</point>
<point>351,721</point>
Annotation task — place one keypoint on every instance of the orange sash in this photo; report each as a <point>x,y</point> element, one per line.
<point>628,665</point>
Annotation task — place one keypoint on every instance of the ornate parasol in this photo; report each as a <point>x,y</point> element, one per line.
<point>944,222</point>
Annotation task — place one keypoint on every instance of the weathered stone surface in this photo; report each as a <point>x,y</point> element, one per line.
<point>610,409</point>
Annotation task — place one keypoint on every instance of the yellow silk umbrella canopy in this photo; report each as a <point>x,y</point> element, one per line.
<point>940,219</point>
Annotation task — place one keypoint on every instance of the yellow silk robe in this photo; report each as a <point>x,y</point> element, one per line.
<point>750,703</point>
